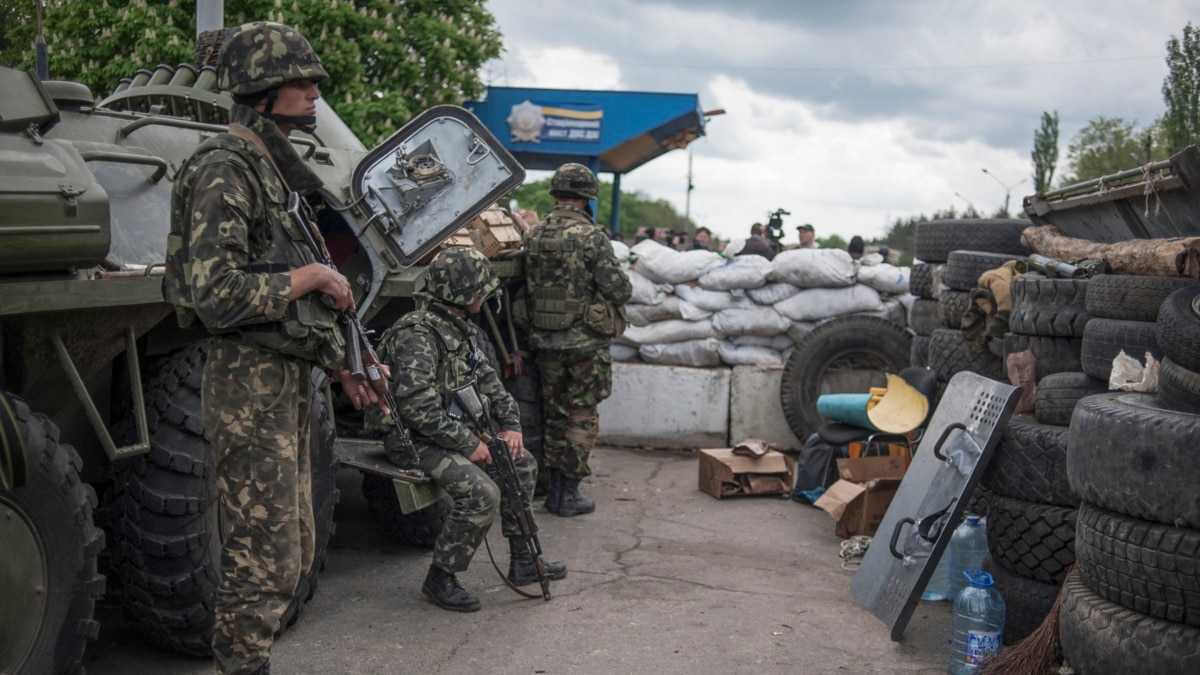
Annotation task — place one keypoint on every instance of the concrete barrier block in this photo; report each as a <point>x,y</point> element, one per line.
<point>755,410</point>
<point>666,407</point>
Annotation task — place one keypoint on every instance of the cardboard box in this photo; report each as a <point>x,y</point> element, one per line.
<point>724,474</point>
<point>858,501</point>
<point>462,237</point>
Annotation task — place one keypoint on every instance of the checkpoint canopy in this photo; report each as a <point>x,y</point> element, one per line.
<point>609,131</point>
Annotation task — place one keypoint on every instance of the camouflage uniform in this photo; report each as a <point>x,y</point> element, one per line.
<point>230,252</point>
<point>577,293</point>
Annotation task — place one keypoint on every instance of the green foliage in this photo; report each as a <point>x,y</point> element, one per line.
<point>1045,152</point>
<point>1107,145</point>
<point>387,59</point>
<point>832,241</point>
<point>1181,91</point>
<point>637,209</point>
<point>17,31</point>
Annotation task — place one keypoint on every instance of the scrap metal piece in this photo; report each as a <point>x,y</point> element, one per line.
<point>952,457</point>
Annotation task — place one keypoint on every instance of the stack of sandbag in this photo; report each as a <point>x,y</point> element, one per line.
<point>700,308</point>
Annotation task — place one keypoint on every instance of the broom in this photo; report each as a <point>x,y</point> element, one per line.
<point>1035,654</point>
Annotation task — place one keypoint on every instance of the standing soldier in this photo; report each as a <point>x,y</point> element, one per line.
<point>433,351</point>
<point>233,266</point>
<point>577,294</point>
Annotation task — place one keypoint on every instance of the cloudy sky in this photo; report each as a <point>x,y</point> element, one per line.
<point>850,113</point>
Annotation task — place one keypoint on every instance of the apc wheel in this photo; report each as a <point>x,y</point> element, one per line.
<point>1030,463</point>
<point>50,547</point>
<point>163,515</point>
<point>935,239</point>
<point>1026,601</point>
<point>1036,541</point>
<point>418,529</point>
<point>1130,297</point>
<point>838,356</point>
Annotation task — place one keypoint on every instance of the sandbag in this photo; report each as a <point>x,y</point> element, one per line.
<point>800,329</point>
<point>665,265</point>
<point>662,332</point>
<point>743,271</point>
<point>758,320</point>
<point>621,252</point>
<point>812,304</point>
<point>621,352</point>
<point>713,301</point>
<point>772,293</point>
<point>779,343</point>
<point>747,355</point>
<point>646,292</point>
<point>814,267</point>
<point>885,278</point>
<point>695,353</point>
<point>644,315</point>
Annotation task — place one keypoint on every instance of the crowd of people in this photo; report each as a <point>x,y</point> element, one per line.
<point>758,242</point>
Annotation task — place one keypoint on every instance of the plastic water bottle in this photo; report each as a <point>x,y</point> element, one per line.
<point>938,588</point>
<point>978,623</point>
<point>968,545</point>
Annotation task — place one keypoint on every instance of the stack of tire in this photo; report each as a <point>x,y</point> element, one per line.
<point>1031,508</point>
<point>1134,603</point>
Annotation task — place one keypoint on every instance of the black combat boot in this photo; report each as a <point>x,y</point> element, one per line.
<point>443,589</point>
<point>571,503</point>
<point>521,570</point>
<point>554,491</point>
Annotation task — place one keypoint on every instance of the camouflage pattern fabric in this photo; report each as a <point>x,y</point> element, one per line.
<point>572,385</point>
<point>574,180</point>
<point>432,351</point>
<point>262,55</point>
<point>460,276</point>
<point>256,416</point>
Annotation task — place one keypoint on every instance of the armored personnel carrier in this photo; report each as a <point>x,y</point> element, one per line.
<point>105,476</point>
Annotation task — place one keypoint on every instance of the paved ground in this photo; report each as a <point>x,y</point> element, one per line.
<point>663,579</point>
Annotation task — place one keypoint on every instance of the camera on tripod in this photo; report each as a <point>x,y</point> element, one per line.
<point>775,227</point>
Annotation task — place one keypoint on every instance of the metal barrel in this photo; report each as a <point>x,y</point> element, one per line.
<point>161,75</point>
<point>184,76</point>
<point>207,79</point>
<point>140,78</point>
<point>122,85</point>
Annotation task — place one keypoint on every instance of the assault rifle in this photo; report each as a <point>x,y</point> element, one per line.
<point>1057,269</point>
<point>466,400</point>
<point>361,359</point>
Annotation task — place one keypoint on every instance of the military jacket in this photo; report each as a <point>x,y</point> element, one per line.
<point>232,245</point>
<point>569,267</point>
<point>431,352</point>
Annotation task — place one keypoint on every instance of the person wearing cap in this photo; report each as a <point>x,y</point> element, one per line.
<point>701,239</point>
<point>233,268</point>
<point>808,236</point>
<point>855,248</point>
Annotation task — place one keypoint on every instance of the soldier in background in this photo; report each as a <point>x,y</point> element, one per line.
<point>233,266</point>
<point>756,244</point>
<point>434,352</point>
<point>577,295</point>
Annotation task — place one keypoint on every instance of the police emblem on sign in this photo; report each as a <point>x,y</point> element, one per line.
<point>525,121</point>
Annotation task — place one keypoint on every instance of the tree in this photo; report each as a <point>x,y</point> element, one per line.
<point>1107,145</point>
<point>637,209</point>
<point>1181,91</point>
<point>17,31</point>
<point>1045,152</point>
<point>833,241</point>
<point>387,59</point>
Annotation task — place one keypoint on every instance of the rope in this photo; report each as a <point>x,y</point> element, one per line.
<point>853,550</point>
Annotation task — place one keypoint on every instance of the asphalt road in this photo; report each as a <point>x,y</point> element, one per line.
<point>662,579</point>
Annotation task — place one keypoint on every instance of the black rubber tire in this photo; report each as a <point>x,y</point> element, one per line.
<point>1131,455</point>
<point>1178,327</point>
<point>55,510</point>
<point>1130,297</point>
<point>919,355</point>
<point>925,316</point>
<point>935,239</point>
<point>855,342</point>
<point>1058,393</point>
<point>923,280</point>
<point>162,512</point>
<point>1100,637</point>
<point>963,267</point>
<point>1030,464</point>
<point>1150,568</point>
<point>1027,602</point>
<point>418,529</point>
<point>948,355</point>
<point>1054,307</point>
<point>1104,339</point>
<point>1053,354</point>
<point>951,307</point>
<point>1036,541</point>
<point>1178,387</point>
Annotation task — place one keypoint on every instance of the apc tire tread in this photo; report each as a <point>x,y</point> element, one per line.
<point>1178,387</point>
<point>964,267</point>
<point>1030,464</point>
<point>1130,297</point>
<point>951,307</point>
<point>1150,568</point>
<point>1131,455</point>
<point>925,316</point>
<point>948,354</point>
<point>1058,393</point>
<point>1104,339</point>
<point>1100,637</point>
<point>923,280</point>
<point>1036,541</point>
<point>1054,307</point>
<point>1027,602</point>
<point>1053,354</point>
<point>418,529</point>
<point>935,239</point>
<point>1178,327</point>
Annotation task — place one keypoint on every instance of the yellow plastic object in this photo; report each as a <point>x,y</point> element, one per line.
<point>901,409</point>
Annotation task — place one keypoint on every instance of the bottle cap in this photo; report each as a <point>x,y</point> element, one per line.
<point>979,578</point>
<point>973,521</point>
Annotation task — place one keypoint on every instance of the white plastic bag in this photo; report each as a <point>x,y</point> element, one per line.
<point>1129,375</point>
<point>814,267</point>
<point>621,352</point>
<point>621,251</point>
<point>713,301</point>
<point>758,320</point>
<point>644,315</point>
<point>778,342</point>
<point>646,292</point>
<point>812,304</point>
<point>743,271</point>
<point>748,355</point>
<point>773,293</point>
<point>662,332</point>
<point>694,353</point>
<point>665,265</point>
<point>885,278</point>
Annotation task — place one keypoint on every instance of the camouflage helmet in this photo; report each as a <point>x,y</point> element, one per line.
<point>573,181</point>
<point>460,276</point>
<point>262,55</point>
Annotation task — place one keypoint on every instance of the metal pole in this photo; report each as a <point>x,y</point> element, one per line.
<point>614,219</point>
<point>210,15</point>
<point>40,61</point>
<point>687,208</point>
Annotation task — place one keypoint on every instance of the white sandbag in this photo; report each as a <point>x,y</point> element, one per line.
<point>734,247</point>
<point>621,352</point>
<point>773,293</point>
<point>646,292</point>
<point>747,355</point>
<point>757,320</point>
<point>713,301</point>
<point>812,304</point>
<point>778,342</point>
<point>621,252</point>
<point>662,332</point>
<point>690,312</point>
<point>743,271</point>
<point>664,265</point>
<point>885,278</point>
<point>890,309</point>
<point>800,329</point>
<point>814,267</point>
<point>644,315</point>
<point>695,353</point>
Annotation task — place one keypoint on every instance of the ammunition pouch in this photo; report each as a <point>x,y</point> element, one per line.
<point>555,309</point>
<point>606,318</point>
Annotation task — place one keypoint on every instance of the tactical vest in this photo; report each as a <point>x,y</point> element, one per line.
<point>554,306</point>
<point>459,360</point>
<point>311,329</point>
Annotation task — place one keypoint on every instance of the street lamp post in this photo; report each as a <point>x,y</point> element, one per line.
<point>1007,188</point>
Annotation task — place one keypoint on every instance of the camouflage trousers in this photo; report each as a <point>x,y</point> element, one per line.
<point>573,383</point>
<point>256,417</point>
<point>476,499</point>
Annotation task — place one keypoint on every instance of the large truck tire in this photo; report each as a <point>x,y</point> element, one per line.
<point>963,268</point>
<point>1053,354</point>
<point>935,239</point>
<point>923,280</point>
<point>1178,325</point>
<point>50,580</point>
<point>1027,602</point>
<point>948,354</point>
<point>854,342</point>
<point>1036,541</point>
<point>162,513</point>
<point>1058,393</point>
<point>1178,387</point>
<point>951,307</point>
<point>1130,297</point>
<point>1030,463</point>
<point>1104,339</point>
<point>1042,306</point>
